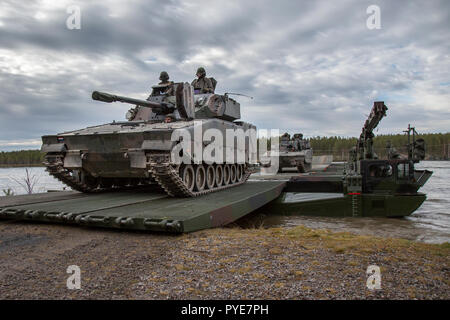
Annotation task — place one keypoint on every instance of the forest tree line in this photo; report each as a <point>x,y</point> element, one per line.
<point>437,145</point>
<point>22,158</point>
<point>437,148</point>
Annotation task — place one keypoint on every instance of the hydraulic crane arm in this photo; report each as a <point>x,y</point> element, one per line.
<point>366,138</point>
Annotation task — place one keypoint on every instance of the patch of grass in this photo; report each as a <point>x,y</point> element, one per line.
<point>258,276</point>
<point>303,238</point>
<point>181,267</point>
<point>298,274</point>
<point>411,292</point>
<point>445,245</point>
<point>330,290</point>
<point>228,260</point>
<point>353,263</point>
<point>339,249</point>
<point>306,288</point>
<point>275,251</point>
<point>244,269</point>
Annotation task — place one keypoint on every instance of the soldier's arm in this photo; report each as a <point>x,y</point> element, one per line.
<point>169,90</point>
<point>209,87</point>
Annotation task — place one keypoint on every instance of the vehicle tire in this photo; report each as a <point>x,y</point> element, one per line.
<point>219,175</point>
<point>188,176</point>
<point>233,173</point>
<point>226,174</point>
<point>239,172</point>
<point>200,177</point>
<point>210,177</point>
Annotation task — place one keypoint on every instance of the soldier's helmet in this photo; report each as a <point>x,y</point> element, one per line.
<point>164,76</point>
<point>169,118</point>
<point>201,72</point>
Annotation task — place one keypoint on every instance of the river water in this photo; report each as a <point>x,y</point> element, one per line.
<point>430,223</point>
<point>13,178</point>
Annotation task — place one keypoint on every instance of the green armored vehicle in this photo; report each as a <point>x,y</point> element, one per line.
<point>292,152</point>
<point>295,152</point>
<point>163,143</point>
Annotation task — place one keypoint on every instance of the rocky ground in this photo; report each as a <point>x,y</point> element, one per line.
<point>227,263</point>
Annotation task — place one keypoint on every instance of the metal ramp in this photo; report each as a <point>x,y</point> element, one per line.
<point>143,210</point>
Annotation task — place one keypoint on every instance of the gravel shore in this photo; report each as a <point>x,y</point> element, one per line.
<point>223,263</point>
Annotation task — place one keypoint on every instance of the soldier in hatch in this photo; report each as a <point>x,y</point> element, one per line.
<point>202,84</point>
<point>164,77</point>
<point>170,118</point>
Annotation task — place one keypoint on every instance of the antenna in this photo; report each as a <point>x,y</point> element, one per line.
<point>238,94</point>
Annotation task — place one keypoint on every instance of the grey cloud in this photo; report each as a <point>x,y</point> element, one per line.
<point>312,66</point>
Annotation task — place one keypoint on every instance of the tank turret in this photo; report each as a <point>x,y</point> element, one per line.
<point>178,97</point>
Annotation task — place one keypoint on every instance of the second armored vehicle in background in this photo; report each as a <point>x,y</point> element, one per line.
<point>295,152</point>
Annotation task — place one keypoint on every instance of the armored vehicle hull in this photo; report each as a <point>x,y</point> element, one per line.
<point>131,154</point>
<point>301,160</point>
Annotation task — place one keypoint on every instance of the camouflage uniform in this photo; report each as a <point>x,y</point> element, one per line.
<point>164,77</point>
<point>203,84</point>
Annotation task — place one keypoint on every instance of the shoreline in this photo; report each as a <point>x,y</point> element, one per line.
<point>221,263</point>
<point>6,166</point>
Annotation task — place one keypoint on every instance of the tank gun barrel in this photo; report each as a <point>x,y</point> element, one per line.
<point>107,97</point>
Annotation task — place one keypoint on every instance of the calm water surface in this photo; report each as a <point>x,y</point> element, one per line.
<point>13,177</point>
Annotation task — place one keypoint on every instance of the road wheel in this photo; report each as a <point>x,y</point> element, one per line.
<point>239,172</point>
<point>226,174</point>
<point>200,177</point>
<point>219,175</point>
<point>188,176</point>
<point>233,173</point>
<point>210,177</point>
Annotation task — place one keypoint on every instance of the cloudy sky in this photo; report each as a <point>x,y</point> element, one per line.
<point>311,66</point>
